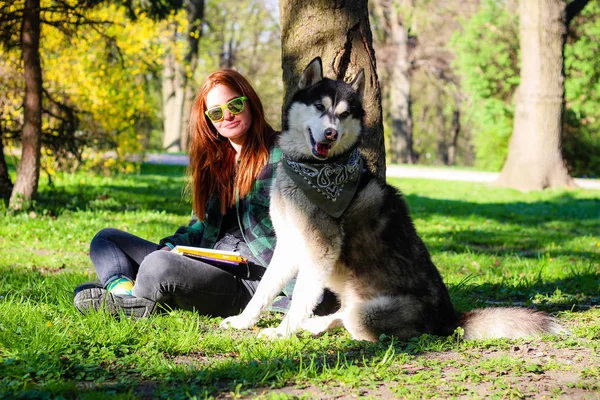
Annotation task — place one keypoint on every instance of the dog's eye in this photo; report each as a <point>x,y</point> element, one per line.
<point>320,107</point>
<point>344,114</point>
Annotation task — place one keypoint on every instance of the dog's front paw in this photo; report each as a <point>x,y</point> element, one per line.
<point>237,322</point>
<point>271,333</point>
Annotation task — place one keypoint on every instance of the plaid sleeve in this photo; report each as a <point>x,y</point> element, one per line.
<point>186,236</point>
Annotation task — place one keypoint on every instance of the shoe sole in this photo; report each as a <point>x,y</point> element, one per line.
<point>94,299</point>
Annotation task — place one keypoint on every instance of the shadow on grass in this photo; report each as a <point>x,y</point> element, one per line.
<point>537,226</point>
<point>186,379</point>
<point>576,292</point>
<point>564,207</point>
<point>159,187</point>
<point>530,243</point>
<point>155,188</point>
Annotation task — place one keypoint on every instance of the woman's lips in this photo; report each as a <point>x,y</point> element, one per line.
<point>232,125</point>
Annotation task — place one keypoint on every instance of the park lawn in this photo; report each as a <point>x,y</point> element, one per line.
<point>492,245</point>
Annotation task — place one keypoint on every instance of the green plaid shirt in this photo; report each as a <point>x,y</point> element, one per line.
<point>253,219</point>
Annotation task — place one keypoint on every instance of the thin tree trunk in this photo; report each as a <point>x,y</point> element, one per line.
<point>28,171</point>
<point>195,13</point>
<point>173,100</point>
<point>6,185</point>
<point>454,137</point>
<point>400,100</point>
<point>534,159</point>
<point>442,139</point>
<point>341,36</point>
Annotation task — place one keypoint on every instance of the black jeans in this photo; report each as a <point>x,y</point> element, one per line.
<point>172,279</point>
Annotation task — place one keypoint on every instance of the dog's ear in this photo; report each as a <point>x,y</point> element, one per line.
<point>358,84</point>
<point>312,74</point>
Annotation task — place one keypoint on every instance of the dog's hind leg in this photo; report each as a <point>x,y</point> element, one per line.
<point>355,324</point>
<point>317,325</point>
<point>402,316</point>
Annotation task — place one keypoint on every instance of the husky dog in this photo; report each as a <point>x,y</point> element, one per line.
<point>340,227</point>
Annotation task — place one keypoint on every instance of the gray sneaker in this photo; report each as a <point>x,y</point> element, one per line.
<point>92,297</point>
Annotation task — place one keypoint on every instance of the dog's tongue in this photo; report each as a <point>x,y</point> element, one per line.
<point>322,149</point>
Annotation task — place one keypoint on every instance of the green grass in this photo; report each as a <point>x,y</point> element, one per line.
<point>492,245</point>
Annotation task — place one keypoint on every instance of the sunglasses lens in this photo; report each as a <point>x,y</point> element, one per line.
<point>236,106</point>
<point>215,114</point>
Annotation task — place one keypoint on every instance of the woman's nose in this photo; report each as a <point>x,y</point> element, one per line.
<point>228,115</point>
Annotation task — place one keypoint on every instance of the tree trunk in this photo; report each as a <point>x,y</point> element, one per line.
<point>28,171</point>
<point>195,14</point>
<point>341,36</point>
<point>6,185</point>
<point>173,103</point>
<point>454,137</point>
<point>534,159</point>
<point>399,82</point>
<point>178,94</point>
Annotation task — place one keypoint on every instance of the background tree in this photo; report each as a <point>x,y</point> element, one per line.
<point>394,58</point>
<point>29,168</point>
<point>432,104</point>
<point>341,36</point>
<point>534,159</point>
<point>65,17</point>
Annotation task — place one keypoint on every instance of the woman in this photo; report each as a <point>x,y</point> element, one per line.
<point>233,161</point>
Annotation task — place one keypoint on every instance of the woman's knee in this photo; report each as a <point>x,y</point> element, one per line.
<point>156,266</point>
<point>104,234</point>
<point>154,275</point>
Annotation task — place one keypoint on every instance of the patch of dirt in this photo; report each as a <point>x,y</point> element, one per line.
<point>550,372</point>
<point>547,372</point>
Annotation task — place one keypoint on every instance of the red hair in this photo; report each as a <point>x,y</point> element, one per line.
<point>212,169</point>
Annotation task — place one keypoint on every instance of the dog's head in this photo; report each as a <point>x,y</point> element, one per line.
<point>324,118</point>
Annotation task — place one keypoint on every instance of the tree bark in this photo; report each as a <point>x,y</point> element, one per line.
<point>28,171</point>
<point>338,32</point>
<point>534,159</point>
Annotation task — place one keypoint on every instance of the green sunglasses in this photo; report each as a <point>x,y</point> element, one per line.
<point>235,106</point>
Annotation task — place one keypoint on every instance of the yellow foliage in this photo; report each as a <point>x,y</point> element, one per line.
<point>108,82</point>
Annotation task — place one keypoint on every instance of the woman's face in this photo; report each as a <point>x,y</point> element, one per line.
<point>233,127</point>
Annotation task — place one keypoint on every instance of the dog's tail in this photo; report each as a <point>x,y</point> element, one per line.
<point>508,322</point>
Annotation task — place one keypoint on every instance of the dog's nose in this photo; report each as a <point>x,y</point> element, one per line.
<point>331,134</point>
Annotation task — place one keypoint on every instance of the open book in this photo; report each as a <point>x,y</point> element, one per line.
<point>220,256</point>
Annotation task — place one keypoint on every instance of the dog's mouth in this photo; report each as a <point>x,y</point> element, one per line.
<point>320,150</point>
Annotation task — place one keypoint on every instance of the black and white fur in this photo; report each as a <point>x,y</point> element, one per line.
<point>371,256</point>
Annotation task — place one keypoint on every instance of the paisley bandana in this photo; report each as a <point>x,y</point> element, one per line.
<point>330,186</point>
